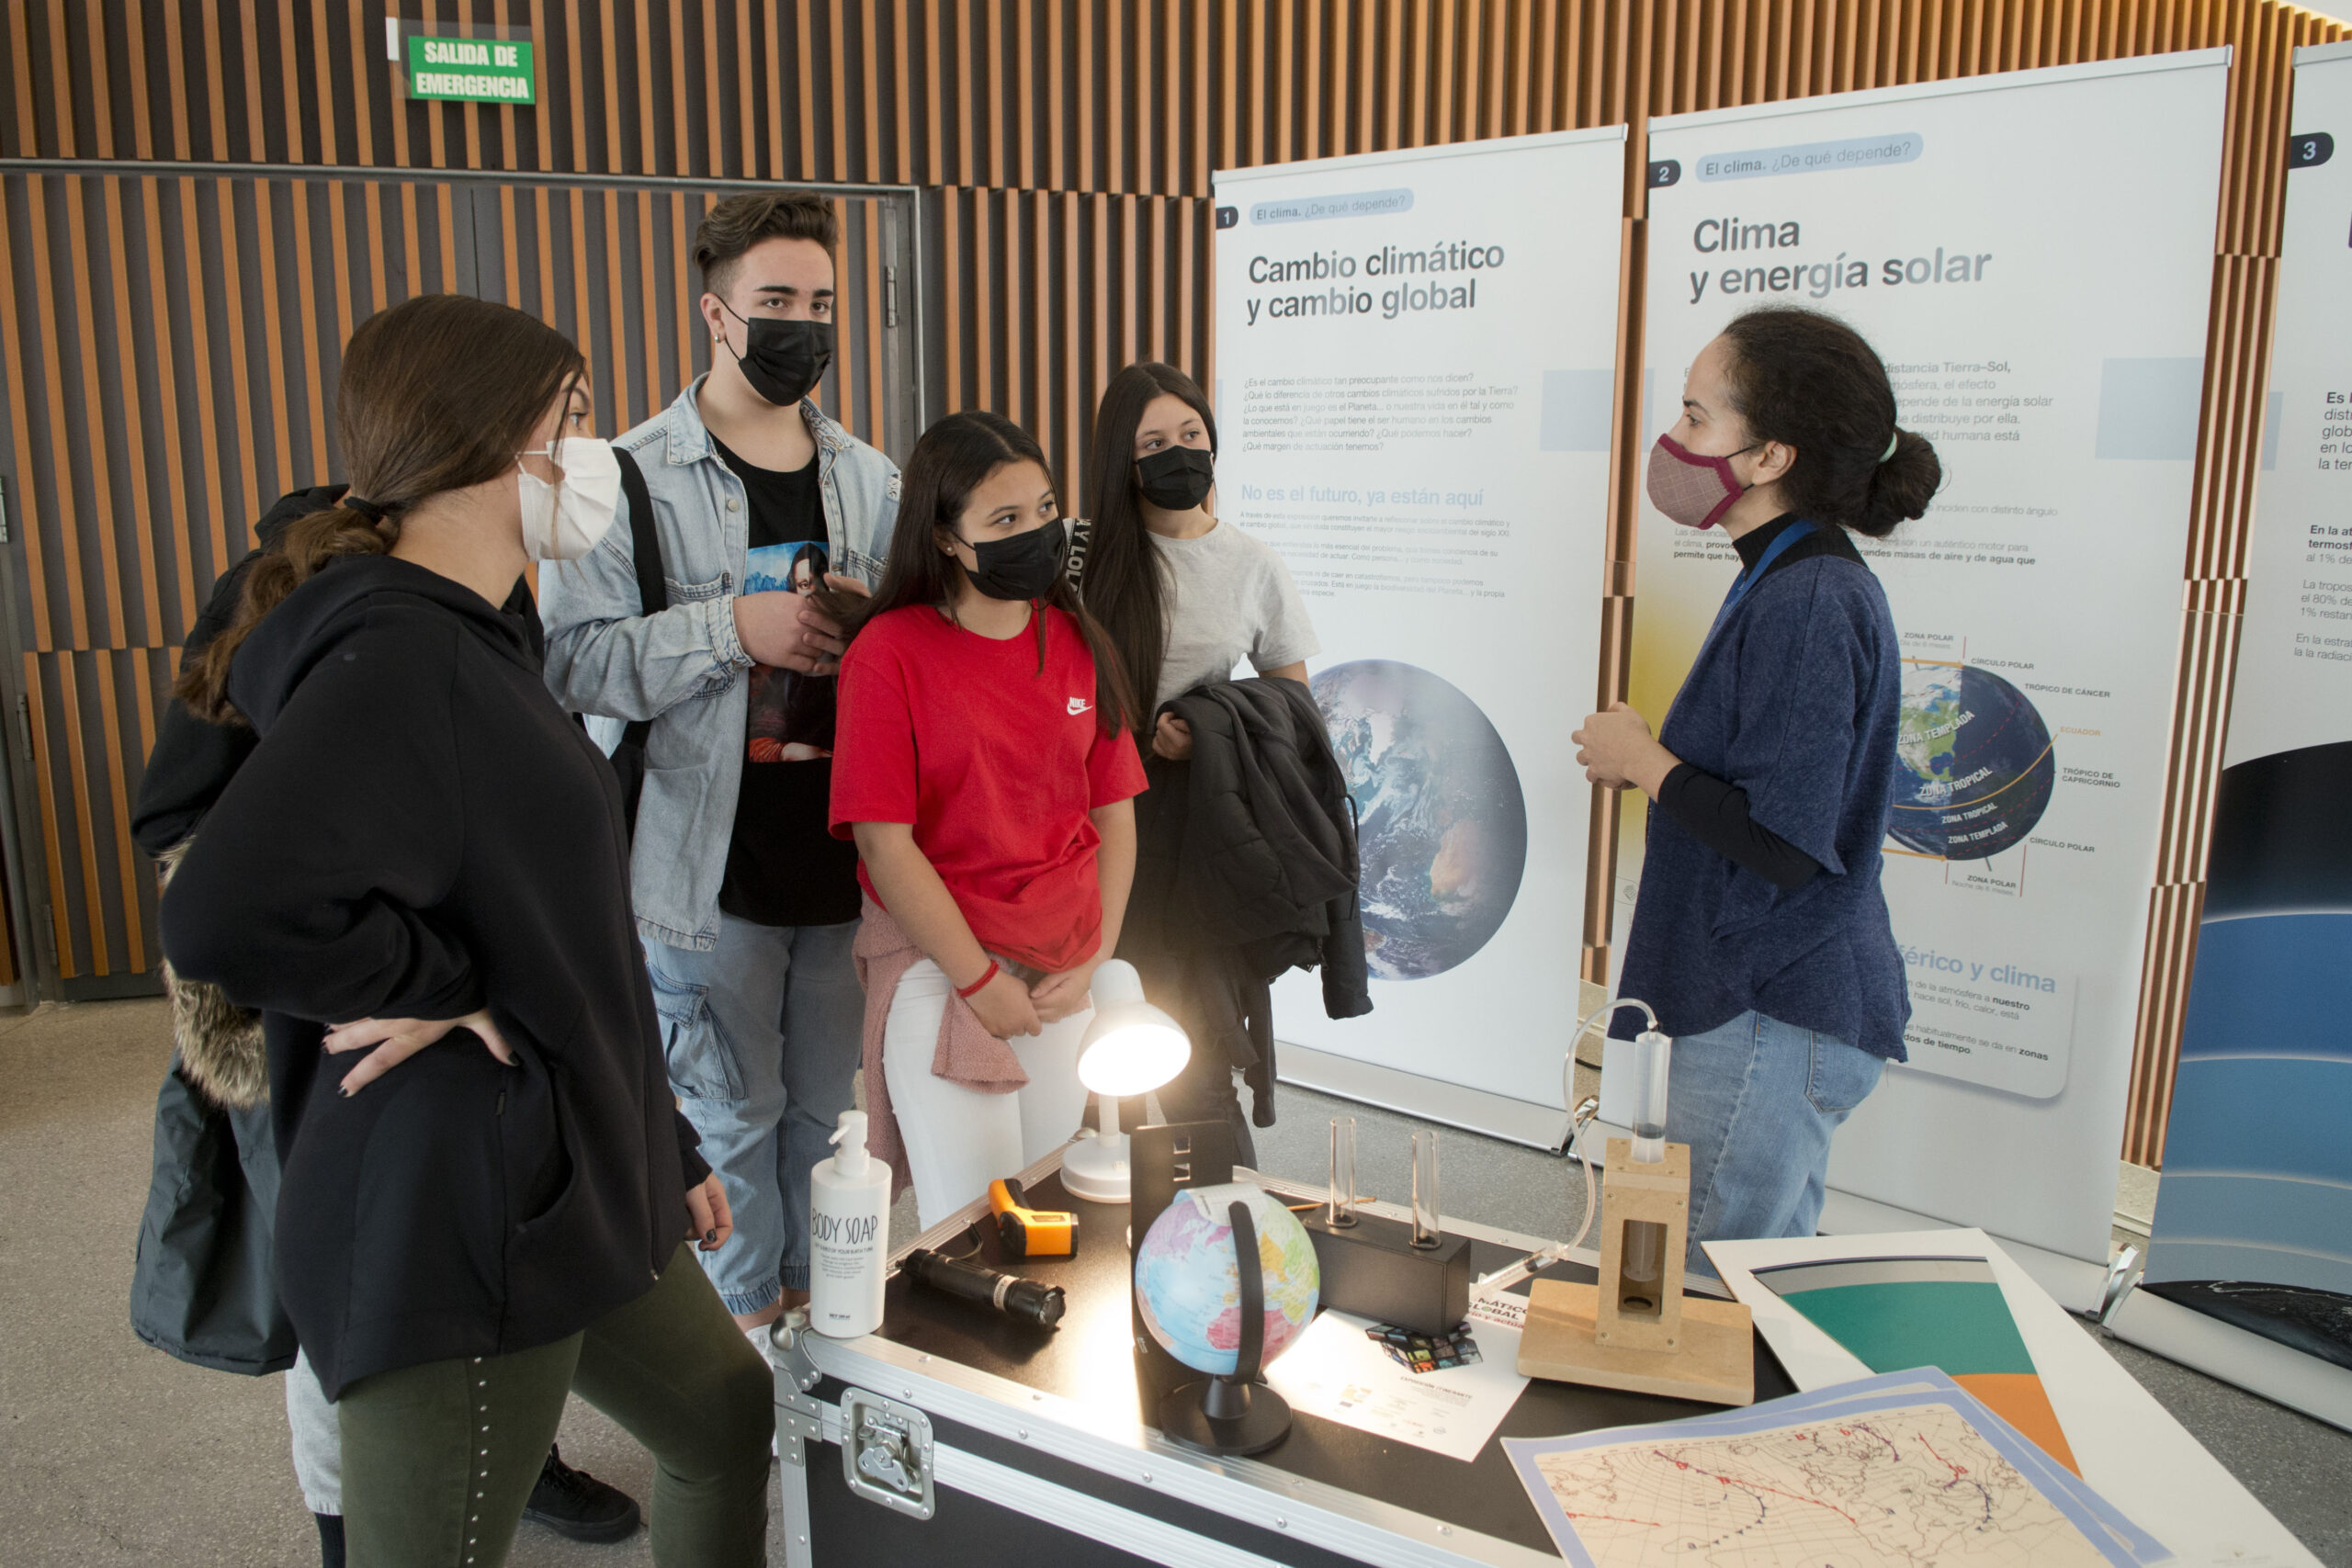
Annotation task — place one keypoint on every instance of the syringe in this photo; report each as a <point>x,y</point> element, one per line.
<point>1646,1239</point>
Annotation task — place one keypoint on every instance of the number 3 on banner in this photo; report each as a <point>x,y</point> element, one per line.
<point>2310,152</point>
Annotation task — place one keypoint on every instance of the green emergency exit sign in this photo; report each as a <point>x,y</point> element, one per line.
<point>473,70</point>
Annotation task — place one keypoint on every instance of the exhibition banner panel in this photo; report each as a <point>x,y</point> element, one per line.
<point>2031,255</point>
<point>2257,1188</point>
<point>1415,379</point>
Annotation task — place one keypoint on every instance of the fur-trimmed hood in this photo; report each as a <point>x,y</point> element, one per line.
<point>221,1042</point>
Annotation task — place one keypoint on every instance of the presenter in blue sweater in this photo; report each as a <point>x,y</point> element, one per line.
<point>1762,935</point>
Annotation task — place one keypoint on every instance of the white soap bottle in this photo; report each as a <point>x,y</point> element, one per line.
<point>849,1230</point>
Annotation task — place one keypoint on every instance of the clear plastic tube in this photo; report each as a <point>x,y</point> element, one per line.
<point>1341,1209</point>
<point>1425,1210</point>
<point>1652,1054</point>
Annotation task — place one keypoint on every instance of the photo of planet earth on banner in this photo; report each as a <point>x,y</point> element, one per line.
<point>1440,821</point>
<point>1977,764</point>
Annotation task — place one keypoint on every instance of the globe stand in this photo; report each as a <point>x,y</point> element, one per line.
<point>1234,1413</point>
<point>1190,1417</point>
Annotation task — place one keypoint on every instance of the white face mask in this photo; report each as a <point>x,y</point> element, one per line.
<point>564,522</point>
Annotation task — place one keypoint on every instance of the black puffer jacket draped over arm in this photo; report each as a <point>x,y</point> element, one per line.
<point>1245,868</point>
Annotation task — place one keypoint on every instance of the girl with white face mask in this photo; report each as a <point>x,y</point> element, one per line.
<point>422,847</point>
<point>190,765</point>
<point>563,522</point>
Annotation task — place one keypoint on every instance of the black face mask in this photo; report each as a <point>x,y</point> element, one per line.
<point>1021,567</point>
<point>782,360</point>
<point>1176,479</point>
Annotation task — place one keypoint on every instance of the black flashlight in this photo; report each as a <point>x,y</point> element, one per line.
<point>1024,1300</point>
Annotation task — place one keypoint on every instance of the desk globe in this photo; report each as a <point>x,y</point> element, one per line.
<point>1203,1310</point>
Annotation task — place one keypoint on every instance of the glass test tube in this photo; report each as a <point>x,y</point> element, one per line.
<point>1342,1205</point>
<point>1425,1211</point>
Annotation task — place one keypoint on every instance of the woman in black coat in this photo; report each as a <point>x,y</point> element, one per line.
<point>423,848</point>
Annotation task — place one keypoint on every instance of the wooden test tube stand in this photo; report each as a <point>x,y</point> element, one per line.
<point>1642,1335</point>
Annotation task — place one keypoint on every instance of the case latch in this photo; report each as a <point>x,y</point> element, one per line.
<point>885,1452</point>
<point>788,1349</point>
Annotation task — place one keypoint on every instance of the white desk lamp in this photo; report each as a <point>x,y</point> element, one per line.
<point>1131,1048</point>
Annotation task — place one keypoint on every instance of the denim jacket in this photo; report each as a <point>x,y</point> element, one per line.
<point>684,668</point>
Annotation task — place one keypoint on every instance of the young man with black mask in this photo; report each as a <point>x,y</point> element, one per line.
<point>747,905</point>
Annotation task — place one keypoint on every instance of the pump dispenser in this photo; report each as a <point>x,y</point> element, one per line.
<point>849,1226</point>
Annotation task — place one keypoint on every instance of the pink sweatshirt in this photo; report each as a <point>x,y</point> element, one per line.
<point>967,1055</point>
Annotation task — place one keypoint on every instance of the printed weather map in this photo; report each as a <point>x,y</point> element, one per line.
<point>1912,1487</point>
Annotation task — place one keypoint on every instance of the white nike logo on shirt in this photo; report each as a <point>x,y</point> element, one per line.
<point>1079,705</point>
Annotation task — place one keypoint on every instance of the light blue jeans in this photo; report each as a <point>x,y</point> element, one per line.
<point>1756,1101</point>
<point>763,1033</point>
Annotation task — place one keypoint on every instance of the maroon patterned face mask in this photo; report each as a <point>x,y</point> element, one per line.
<point>1690,489</point>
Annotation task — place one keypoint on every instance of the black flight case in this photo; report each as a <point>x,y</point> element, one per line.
<point>957,1436</point>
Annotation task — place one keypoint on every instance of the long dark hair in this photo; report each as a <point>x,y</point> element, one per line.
<point>437,393</point>
<point>955,458</point>
<point>1122,584</point>
<point>1811,382</point>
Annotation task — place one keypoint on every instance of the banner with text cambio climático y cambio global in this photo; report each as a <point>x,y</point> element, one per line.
<point>1415,380</point>
<point>2031,255</point>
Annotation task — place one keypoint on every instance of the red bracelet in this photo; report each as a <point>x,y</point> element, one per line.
<point>973,989</point>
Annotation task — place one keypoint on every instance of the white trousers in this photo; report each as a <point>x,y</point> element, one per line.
<point>958,1139</point>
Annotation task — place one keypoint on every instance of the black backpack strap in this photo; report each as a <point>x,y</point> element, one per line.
<point>645,552</point>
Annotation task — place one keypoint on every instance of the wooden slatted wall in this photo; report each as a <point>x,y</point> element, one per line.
<point>613,269</point>
<point>169,346</point>
<point>1075,140</point>
<point>1087,283</point>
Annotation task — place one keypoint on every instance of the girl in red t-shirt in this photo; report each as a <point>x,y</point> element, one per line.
<point>984,761</point>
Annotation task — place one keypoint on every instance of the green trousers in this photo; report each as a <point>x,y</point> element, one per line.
<point>439,1459</point>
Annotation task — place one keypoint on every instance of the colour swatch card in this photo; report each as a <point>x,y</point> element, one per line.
<point>1894,1313</point>
<point>1908,1469</point>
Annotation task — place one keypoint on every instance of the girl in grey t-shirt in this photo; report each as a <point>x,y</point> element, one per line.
<point>1186,598</point>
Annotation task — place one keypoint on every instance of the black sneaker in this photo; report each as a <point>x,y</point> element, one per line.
<point>575,1504</point>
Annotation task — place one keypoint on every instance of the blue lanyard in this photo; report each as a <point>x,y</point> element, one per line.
<point>1740,585</point>
<point>1755,574</point>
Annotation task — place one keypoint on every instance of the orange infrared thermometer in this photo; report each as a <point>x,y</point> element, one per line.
<point>1027,1232</point>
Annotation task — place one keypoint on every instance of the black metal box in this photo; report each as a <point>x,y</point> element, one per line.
<point>956,1436</point>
